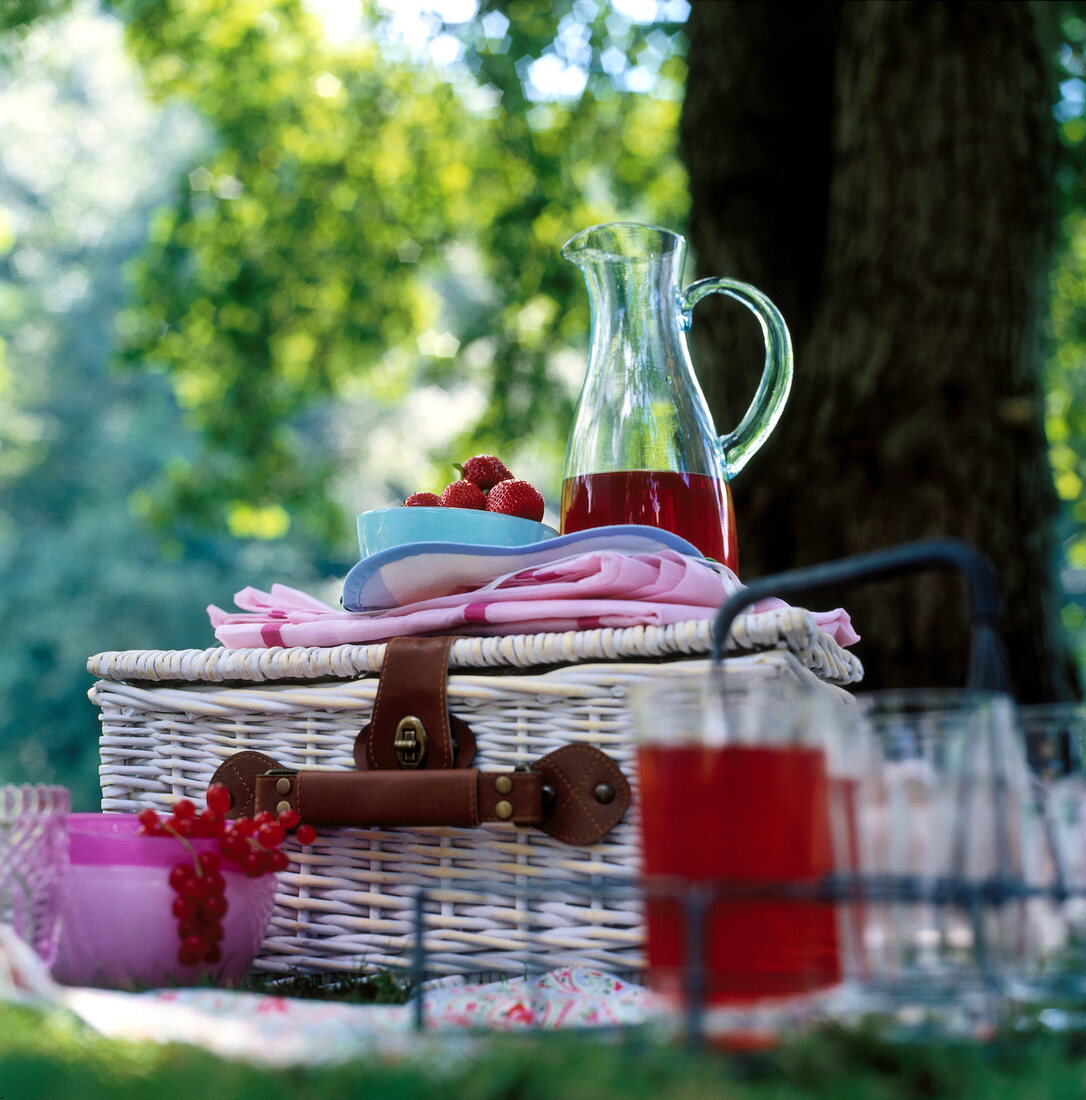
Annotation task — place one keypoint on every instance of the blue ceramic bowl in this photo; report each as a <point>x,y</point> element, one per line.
<point>384,528</point>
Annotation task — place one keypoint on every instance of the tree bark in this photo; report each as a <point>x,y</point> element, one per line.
<point>885,172</point>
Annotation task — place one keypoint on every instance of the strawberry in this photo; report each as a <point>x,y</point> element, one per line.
<point>484,470</point>
<point>514,497</point>
<point>422,500</point>
<point>463,494</point>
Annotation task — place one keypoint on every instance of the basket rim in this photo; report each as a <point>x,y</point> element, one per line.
<point>790,628</point>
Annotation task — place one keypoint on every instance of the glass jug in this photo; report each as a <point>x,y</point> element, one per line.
<point>643,448</point>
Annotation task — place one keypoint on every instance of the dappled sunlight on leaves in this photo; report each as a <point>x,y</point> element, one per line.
<point>351,280</point>
<point>1065,373</point>
<point>247,522</point>
<point>310,246</point>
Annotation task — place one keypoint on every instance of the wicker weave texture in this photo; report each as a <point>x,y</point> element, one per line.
<point>790,628</point>
<point>348,902</point>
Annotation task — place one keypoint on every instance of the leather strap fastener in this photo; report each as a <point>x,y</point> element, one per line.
<point>413,687</point>
<point>460,796</point>
<point>575,794</point>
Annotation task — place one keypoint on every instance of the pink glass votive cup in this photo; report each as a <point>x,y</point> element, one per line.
<point>118,929</point>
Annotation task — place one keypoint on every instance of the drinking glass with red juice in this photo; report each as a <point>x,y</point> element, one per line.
<point>741,798</point>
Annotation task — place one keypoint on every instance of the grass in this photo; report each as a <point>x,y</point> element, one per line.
<point>52,1056</point>
<point>381,988</point>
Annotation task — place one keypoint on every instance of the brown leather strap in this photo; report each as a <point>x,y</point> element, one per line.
<point>238,774</point>
<point>576,794</point>
<point>456,796</point>
<point>412,708</point>
<point>591,793</point>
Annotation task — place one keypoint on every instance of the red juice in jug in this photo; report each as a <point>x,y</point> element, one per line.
<point>745,815</point>
<point>696,507</point>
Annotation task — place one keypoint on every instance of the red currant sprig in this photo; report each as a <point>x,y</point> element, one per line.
<point>253,843</point>
<point>199,907</point>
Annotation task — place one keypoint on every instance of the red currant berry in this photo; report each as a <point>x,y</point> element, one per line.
<point>216,884</point>
<point>219,799</point>
<point>210,863</point>
<point>185,908</point>
<point>271,835</point>
<point>192,950</point>
<point>186,958</point>
<point>214,908</point>
<point>180,875</point>
<point>184,807</point>
<point>265,817</point>
<point>289,819</point>
<point>148,820</point>
<point>306,834</point>
<point>205,824</point>
<point>197,889</point>
<point>245,826</point>
<point>213,954</point>
<point>233,847</point>
<point>278,861</point>
<point>253,863</point>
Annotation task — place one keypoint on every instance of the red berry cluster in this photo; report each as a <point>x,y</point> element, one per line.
<point>199,907</point>
<point>251,843</point>
<point>486,485</point>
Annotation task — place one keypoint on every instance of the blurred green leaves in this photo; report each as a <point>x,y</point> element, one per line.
<point>373,222</point>
<point>80,571</point>
<point>1065,373</point>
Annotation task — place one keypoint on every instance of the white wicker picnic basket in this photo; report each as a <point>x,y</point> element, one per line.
<point>498,898</point>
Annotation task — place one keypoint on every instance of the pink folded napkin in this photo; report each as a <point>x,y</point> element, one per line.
<point>603,588</point>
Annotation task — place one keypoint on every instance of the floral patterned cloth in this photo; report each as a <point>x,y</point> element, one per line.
<point>281,1031</point>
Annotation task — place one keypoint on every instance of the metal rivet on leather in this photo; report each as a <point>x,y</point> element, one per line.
<point>282,807</point>
<point>604,793</point>
<point>503,784</point>
<point>504,810</point>
<point>283,786</point>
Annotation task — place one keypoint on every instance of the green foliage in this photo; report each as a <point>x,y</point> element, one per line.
<point>371,224</point>
<point>351,248</point>
<point>81,573</point>
<point>18,14</point>
<point>1065,374</point>
<point>352,278</point>
<point>385,987</point>
<point>51,1055</point>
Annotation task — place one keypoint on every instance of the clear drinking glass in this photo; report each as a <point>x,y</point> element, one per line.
<point>740,786</point>
<point>34,863</point>
<point>1050,989</point>
<point>942,857</point>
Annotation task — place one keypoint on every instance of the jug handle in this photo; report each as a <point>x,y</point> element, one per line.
<point>761,417</point>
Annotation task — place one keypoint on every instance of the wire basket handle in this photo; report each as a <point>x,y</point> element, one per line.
<point>988,667</point>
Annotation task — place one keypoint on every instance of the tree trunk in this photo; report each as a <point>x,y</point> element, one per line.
<point>885,172</point>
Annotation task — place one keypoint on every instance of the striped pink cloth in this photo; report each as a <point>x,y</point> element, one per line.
<point>601,588</point>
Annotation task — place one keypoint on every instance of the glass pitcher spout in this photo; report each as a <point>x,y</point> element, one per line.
<point>622,242</point>
<point>632,272</point>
